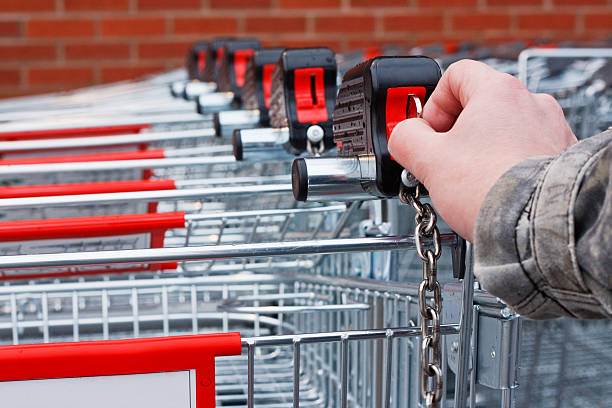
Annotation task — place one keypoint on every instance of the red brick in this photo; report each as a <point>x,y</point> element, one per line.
<point>119,73</point>
<point>447,3</point>
<point>85,5</point>
<point>26,5</point>
<point>205,25</point>
<point>60,75</point>
<point>552,21</point>
<point>133,26</point>
<point>9,77</point>
<point>311,4</point>
<point>341,24</point>
<point>60,28</point>
<point>327,42</point>
<point>578,2</point>
<point>409,22</point>
<point>239,4</point>
<point>599,20</point>
<point>92,51</point>
<point>168,4</point>
<point>163,49</point>
<point>481,21</point>
<point>27,52</point>
<point>514,3</point>
<point>9,28</point>
<point>276,24</point>
<point>379,3</point>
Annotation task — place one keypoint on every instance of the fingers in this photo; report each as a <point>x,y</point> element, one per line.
<point>461,81</point>
<point>415,145</point>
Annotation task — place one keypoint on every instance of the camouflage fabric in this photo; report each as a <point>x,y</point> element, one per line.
<point>543,238</point>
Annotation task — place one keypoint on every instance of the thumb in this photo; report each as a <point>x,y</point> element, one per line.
<point>416,146</point>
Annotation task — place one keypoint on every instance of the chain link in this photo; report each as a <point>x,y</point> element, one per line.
<point>314,149</point>
<point>427,230</point>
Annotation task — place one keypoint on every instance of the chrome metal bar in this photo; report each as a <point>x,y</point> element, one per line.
<point>266,213</point>
<point>158,195</point>
<point>339,336</point>
<point>154,255</point>
<point>296,373</point>
<point>467,307</point>
<point>344,373</point>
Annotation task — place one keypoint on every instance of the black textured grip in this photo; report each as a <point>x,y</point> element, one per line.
<point>277,111</point>
<point>249,89</point>
<point>351,121</point>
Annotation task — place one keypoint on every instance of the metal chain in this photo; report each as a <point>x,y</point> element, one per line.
<point>426,229</point>
<point>314,149</point>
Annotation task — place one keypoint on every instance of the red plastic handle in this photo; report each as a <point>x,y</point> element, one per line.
<point>46,190</point>
<point>92,157</point>
<point>87,227</point>
<point>123,357</point>
<point>75,132</point>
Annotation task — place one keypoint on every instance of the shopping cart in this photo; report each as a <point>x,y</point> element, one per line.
<point>351,341</point>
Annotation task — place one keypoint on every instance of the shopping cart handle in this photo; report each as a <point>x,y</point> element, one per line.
<point>94,226</point>
<point>373,98</point>
<point>123,357</point>
<point>91,157</point>
<point>73,132</point>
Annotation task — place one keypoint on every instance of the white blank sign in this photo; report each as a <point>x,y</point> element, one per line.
<point>157,390</point>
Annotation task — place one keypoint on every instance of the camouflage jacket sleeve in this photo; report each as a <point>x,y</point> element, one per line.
<point>543,238</point>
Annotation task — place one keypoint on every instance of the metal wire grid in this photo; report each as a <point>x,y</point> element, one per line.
<point>345,359</point>
<point>566,363</point>
<point>221,228</point>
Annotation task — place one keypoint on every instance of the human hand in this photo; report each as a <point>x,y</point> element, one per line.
<point>476,125</point>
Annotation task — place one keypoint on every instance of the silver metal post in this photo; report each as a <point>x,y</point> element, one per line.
<point>465,331</point>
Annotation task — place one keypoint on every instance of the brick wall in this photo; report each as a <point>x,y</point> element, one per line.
<point>58,44</point>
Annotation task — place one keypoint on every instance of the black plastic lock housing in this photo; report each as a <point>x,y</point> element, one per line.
<point>236,55</point>
<point>374,96</point>
<point>258,82</point>
<point>214,56</point>
<point>196,60</point>
<point>303,95</point>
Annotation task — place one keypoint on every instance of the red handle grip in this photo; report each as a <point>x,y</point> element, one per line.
<point>86,227</point>
<point>92,157</point>
<point>46,190</point>
<point>75,132</point>
<point>122,357</point>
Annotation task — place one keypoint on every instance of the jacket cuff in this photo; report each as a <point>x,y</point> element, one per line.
<point>524,245</point>
<point>500,243</point>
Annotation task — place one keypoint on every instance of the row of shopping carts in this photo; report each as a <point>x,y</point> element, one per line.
<point>139,236</point>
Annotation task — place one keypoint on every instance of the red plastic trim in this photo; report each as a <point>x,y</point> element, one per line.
<point>398,107</point>
<point>267,82</point>
<point>92,157</point>
<point>241,57</point>
<point>123,357</point>
<point>86,227</point>
<point>72,272</point>
<point>219,58</point>
<point>46,190</point>
<point>309,99</point>
<point>201,62</point>
<point>75,132</point>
